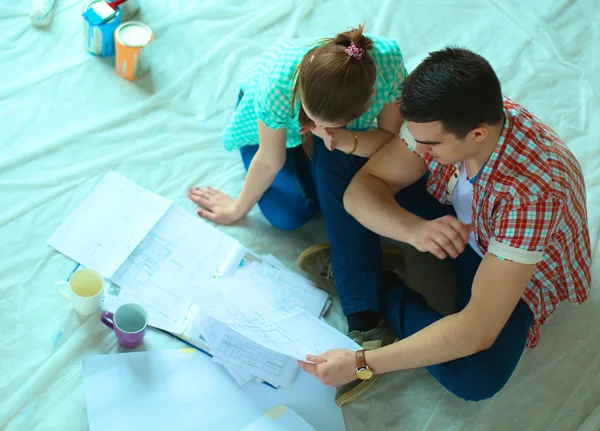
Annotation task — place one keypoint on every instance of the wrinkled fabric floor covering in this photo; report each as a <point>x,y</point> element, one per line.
<point>67,119</point>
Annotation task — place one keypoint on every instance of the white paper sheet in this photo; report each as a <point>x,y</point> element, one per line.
<point>246,357</point>
<point>180,250</point>
<point>300,290</point>
<point>325,307</point>
<point>208,327</point>
<point>209,330</point>
<point>185,390</point>
<point>240,376</point>
<point>109,224</point>
<point>163,390</point>
<point>296,289</point>
<point>275,368</point>
<point>280,418</point>
<point>252,307</point>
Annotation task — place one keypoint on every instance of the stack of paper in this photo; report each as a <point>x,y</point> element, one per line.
<point>258,321</point>
<point>148,247</point>
<point>241,356</point>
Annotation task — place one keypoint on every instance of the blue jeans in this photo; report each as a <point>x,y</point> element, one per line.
<point>291,199</point>
<point>361,284</point>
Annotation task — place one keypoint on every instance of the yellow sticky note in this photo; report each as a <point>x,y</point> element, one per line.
<point>276,412</point>
<point>188,350</point>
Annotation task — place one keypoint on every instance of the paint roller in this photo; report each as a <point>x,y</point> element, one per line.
<point>41,12</point>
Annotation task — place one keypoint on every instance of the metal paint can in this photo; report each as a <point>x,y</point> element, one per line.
<point>129,9</point>
<point>99,40</point>
<point>132,50</point>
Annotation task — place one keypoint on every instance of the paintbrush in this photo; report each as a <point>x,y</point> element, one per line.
<point>41,12</point>
<point>100,12</point>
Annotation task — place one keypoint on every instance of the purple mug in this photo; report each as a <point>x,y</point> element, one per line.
<point>129,323</point>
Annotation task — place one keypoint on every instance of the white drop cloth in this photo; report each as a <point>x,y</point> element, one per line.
<point>66,119</point>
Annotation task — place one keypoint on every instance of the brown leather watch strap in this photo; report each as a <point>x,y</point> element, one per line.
<point>361,362</point>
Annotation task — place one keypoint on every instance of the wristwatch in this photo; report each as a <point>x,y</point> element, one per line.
<point>363,372</point>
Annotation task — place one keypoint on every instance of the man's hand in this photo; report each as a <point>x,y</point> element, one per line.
<point>442,237</point>
<point>216,206</point>
<point>332,368</point>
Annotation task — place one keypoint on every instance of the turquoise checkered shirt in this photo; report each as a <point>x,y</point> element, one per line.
<point>268,90</point>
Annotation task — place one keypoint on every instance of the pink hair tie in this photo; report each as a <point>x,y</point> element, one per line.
<point>354,51</point>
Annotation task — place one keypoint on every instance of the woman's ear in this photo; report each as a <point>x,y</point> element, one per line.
<point>308,127</point>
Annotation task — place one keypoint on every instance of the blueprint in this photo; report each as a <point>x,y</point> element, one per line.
<point>148,248</point>
<point>180,250</point>
<point>268,365</point>
<point>103,230</point>
<point>251,306</point>
<point>291,288</point>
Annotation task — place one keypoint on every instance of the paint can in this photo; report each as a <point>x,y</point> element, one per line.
<point>132,50</point>
<point>99,40</point>
<point>129,9</point>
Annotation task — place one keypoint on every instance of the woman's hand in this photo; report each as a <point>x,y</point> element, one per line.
<point>333,138</point>
<point>216,206</point>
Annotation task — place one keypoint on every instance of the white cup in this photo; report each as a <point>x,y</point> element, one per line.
<point>84,290</point>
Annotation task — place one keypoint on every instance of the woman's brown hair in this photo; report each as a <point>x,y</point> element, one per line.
<point>335,86</point>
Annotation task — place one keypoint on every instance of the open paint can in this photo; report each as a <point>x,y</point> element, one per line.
<point>132,50</point>
<point>129,9</point>
<point>98,40</point>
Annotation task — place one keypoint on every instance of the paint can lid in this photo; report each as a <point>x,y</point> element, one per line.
<point>134,34</point>
<point>95,4</point>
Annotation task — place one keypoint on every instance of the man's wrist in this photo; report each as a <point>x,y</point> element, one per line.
<point>411,232</point>
<point>372,360</point>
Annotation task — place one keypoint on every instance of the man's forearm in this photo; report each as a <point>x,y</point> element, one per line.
<point>455,336</point>
<point>370,202</point>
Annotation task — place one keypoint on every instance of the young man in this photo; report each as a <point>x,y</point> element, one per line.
<point>475,178</point>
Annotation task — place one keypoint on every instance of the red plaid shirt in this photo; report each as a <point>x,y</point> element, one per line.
<point>528,207</point>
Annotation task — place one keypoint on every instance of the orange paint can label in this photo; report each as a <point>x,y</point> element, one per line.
<point>132,51</point>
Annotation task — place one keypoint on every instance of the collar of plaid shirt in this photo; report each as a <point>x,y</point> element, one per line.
<point>485,173</point>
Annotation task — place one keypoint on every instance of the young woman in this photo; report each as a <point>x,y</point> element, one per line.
<point>302,94</point>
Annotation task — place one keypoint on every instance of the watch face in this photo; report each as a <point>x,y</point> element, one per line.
<point>364,374</point>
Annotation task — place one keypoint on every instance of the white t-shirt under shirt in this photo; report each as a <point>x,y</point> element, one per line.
<point>462,200</point>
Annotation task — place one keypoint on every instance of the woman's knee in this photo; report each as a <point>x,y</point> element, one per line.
<point>281,222</point>
<point>290,217</point>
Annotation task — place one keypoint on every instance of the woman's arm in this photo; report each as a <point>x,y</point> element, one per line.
<point>389,122</point>
<point>267,162</point>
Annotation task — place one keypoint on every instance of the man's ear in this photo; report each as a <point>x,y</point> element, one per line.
<point>479,133</point>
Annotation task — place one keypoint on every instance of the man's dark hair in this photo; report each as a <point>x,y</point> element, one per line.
<point>456,87</point>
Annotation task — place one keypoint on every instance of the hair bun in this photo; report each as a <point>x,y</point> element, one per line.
<point>354,36</point>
